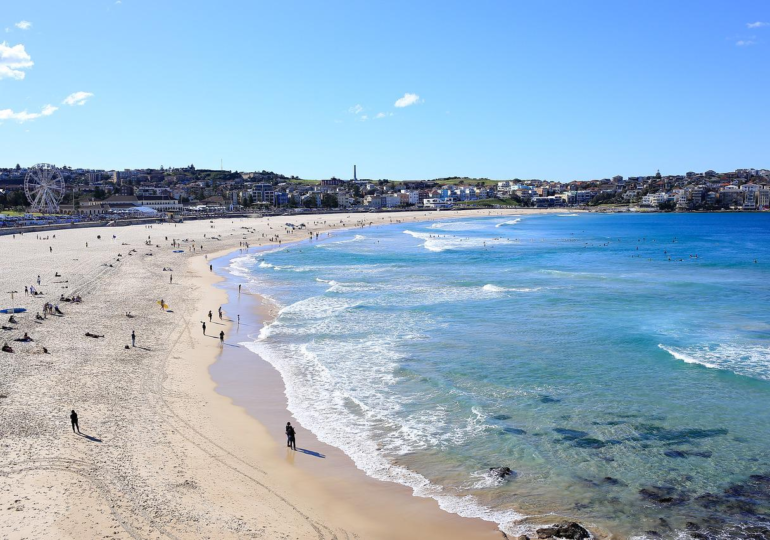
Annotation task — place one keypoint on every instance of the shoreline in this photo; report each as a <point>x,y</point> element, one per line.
<point>391,510</point>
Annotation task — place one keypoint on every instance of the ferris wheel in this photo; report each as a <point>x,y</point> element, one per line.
<point>44,187</point>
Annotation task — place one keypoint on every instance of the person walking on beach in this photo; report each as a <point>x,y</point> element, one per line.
<point>239,288</point>
<point>220,313</point>
<point>211,268</point>
<point>222,337</point>
<point>133,339</point>
<point>291,441</point>
<point>38,280</point>
<point>74,420</point>
<point>204,328</point>
<point>171,278</point>
<point>209,315</point>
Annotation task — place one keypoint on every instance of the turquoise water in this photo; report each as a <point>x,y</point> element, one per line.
<point>624,380</point>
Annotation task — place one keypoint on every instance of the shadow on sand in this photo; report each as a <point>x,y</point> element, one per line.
<point>310,453</point>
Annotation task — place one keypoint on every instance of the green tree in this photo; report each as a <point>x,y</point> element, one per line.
<point>329,201</point>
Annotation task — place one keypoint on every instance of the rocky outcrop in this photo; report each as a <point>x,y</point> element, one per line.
<point>570,531</point>
<point>500,472</point>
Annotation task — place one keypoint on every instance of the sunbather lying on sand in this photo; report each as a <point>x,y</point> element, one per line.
<point>89,334</point>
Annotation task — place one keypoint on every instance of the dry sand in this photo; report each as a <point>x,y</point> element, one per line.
<point>162,453</point>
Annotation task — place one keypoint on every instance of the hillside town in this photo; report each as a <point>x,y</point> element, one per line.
<point>90,193</point>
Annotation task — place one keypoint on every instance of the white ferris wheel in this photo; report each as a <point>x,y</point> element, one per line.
<point>44,187</point>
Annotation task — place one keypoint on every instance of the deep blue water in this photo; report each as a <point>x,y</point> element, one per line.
<point>619,364</point>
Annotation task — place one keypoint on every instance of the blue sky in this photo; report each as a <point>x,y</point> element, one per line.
<point>560,90</point>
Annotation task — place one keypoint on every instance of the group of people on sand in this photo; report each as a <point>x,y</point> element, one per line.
<point>49,309</point>
<point>32,290</point>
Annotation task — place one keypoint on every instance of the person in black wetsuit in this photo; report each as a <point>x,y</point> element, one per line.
<point>291,441</point>
<point>74,419</point>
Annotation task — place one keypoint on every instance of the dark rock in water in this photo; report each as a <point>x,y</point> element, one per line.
<point>610,423</point>
<point>548,399</point>
<point>709,500</point>
<point>658,433</point>
<point>664,524</point>
<point>570,434</point>
<point>690,526</point>
<point>686,453</point>
<point>571,531</point>
<point>610,481</point>
<point>514,431</point>
<point>500,472</point>
<point>663,495</point>
<point>501,417</point>
<point>653,534</point>
<point>588,442</point>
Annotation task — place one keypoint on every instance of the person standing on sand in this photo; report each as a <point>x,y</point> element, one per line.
<point>291,440</point>
<point>211,268</point>
<point>209,315</point>
<point>74,420</point>
<point>171,278</point>
<point>222,337</point>
<point>239,288</point>
<point>133,339</point>
<point>220,313</point>
<point>204,328</point>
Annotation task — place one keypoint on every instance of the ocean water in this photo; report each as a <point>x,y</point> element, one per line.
<point>618,364</point>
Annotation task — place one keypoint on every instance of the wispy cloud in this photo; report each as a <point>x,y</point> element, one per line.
<point>78,98</point>
<point>383,115</point>
<point>758,24</point>
<point>364,118</point>
<point>24,116</point>
<point>407,100</point>
<point>13,60</point>
<point>23,25</point>
<point>745,42</point>
<point>356,109</point>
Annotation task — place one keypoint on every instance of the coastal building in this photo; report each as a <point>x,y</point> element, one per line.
<point>263,193</point>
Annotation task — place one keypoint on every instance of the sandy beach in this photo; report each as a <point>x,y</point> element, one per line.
<point>162,453</point>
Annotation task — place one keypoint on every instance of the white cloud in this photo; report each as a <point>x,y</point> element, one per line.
<point>24,116</point>
<point>23,25</point>
<point>13,60</point>
<point>758,24</point>
<point>355,109</point>
<point>408,99</point>
<point>745,42</point>
<point>78,98</point>
<point>383,115</point>
<point>364,118</point>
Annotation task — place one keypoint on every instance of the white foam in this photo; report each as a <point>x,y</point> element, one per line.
<point>458,226</point>
<point>495,288</point>
<point>568,215</point>
<point>442,242</point>
<point>356,238</point>
<point>511,222</point>
<point>746,360</point>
